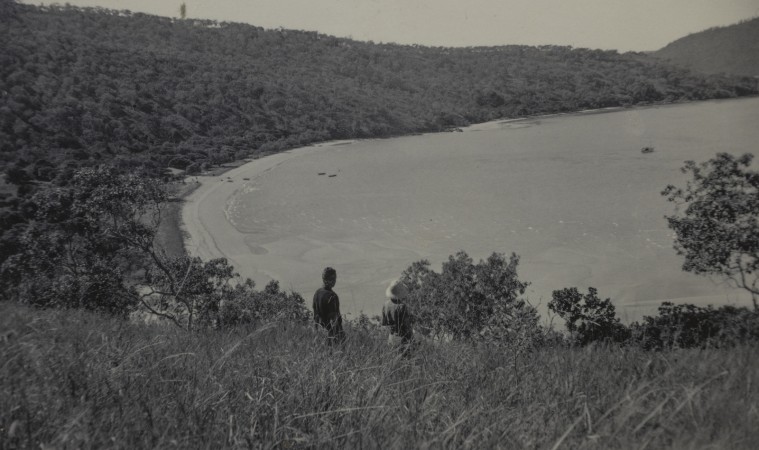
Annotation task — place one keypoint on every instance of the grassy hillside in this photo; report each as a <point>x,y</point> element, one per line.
<point>733,49</point>
<point>76,380</point>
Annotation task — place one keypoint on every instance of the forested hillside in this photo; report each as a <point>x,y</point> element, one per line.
<point>84,86</point>
<point>733,49</point>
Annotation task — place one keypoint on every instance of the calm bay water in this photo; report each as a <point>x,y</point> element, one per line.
<point>572,195</point>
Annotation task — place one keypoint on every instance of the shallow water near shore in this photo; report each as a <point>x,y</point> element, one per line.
<point>572,195</point>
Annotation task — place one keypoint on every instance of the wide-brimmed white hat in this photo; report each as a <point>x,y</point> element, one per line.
<point>396,290</point>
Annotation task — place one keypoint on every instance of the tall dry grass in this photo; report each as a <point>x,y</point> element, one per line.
<point>77,380</point>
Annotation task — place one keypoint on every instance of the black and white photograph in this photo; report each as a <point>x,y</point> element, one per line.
<point>379,224</point>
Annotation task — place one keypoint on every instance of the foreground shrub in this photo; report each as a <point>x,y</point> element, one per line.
<point>190,292</point>
<point>689,326</point>
<point>468,301</point>
<point>244,305</point>
<point>587,317</point>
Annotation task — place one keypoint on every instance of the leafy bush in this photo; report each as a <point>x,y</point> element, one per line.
<point>186,290</point>
<point>588,318</point>
<point>689,326</point>
<point>469,301</point>
<point>190,292</point>
<point>245,305</point>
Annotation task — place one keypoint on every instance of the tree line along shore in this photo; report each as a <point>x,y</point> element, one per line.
<point>84,86</point>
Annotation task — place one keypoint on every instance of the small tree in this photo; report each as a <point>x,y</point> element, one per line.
<point>183,11</point>
<point>717,230</point>
<point>84,242</point>
<point>245,305</point>
<point>186,290</point>
<point>587,317</point>
<point>467,300</point>
<point>92,245</point>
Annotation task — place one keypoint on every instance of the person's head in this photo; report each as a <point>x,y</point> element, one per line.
<point>396,291</point>
<point>329,277</point>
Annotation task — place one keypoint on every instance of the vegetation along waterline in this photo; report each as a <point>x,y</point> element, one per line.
<point>150,91</point>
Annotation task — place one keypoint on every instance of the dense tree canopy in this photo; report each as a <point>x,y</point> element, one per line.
<point>82,86</point>
<point>587,317</point>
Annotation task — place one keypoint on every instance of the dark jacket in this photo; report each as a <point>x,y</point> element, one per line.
<point>327,312</point>
<point>397,316</point>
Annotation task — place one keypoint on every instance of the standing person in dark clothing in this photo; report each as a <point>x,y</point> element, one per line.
<point>395,314</point>
<point>327,308</point>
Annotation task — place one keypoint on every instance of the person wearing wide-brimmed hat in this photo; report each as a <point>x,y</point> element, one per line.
<point>396,315</point>
<point>327,308</point>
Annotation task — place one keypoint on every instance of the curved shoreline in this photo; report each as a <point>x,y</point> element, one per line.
<point>204,222</point>
<point>195,224</point>
<point>204,212</point>
<point>210,234</point>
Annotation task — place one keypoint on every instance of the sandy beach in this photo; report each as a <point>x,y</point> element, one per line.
<point>206,224</point>
<point>204,213</point>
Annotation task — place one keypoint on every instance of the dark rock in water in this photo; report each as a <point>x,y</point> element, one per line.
<point>647,150</point>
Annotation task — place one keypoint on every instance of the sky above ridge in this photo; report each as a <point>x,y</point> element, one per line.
<point>624,25</point>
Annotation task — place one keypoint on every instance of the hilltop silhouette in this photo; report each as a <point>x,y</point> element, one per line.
<point>733,50</point>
